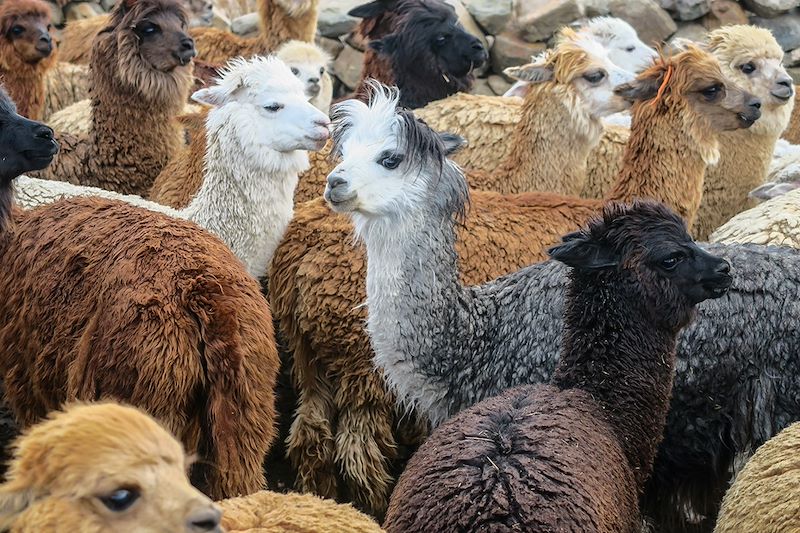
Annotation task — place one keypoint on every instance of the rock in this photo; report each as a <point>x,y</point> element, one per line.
<point>785,28</point>
<point>498,84</point>
<point>594,8</point>
<point>333,19</point>
<point>724,13</point>
<point>332,46</point>
<point>690,30</point>
<point>481,86</point>
<point>653,24</point>
<point>769,8</point>
<point>492,15</point>
<point>795,74</point>
<point>81,10</point>
<point>792,59</point>
<point>245,24</point>
<point>347,66</point>
<point>510,51</point>
<point>537,20</point>
<point>686,9</point>
<point>220,19</point>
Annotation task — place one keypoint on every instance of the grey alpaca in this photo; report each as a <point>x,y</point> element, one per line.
<point>444,347</point>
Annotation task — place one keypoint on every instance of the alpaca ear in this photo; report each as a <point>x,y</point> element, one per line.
<point>213,96</point>
<point>531,73</point>
<point>579,251</point>
<point>639,89</point>
<point>12,503</point>
<point>129,3</point>
<point>452,143</point>
<point>386,45</point>
<point>372,9</point>
<point>772,189</point>
<point>680,44</point>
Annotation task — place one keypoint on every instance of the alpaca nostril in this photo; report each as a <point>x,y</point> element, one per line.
<point>44,132</point>
<point>755,103</point>
<point>187,43</point>
<point>322,122</point>
<point>786,82</point>
<point>723,268</point>
<point>205,520</point>
<point>335,181</point>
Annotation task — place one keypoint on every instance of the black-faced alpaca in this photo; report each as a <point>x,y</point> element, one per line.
<point>574,455</point>
<point>141,73</point>
<point>430,53</point>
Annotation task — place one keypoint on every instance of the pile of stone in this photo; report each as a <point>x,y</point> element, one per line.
<point>514,30</point>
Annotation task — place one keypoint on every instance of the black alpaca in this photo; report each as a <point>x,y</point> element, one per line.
<point>574,455</point>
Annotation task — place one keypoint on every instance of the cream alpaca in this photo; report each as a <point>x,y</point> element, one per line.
<point>309,63</point>
<point>256,140</point>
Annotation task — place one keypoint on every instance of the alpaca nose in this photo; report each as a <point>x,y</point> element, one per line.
<point>323,122</point>
<point>204,520</point>
<point>784,89</point>
<point>724,267</point>
<point>336,181</point>
<point>186,49</point>
<point>313,80</point>
<point>755,103</point>
<point>45,44</point>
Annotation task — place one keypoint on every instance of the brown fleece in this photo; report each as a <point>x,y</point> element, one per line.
<point>24,81</point>
<point>146,309</point>
<point>281,21</point>
<point>134,133</point>
<point>182,177</point>
<point>317,289</point>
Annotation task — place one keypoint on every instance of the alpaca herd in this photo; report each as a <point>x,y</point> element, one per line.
<point>433,311</point>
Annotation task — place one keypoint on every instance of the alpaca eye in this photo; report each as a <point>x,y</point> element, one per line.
<point>748,68</point>
<point>147,28</point>
<point>710,93</point>
<point>630,48</point>
<point>17,30</point>
<point>120,500</point>
<point>273,108</point>
<point>441,40</point>
<point>295,71</point>
<point>671,262</point>
<point>322,71</point>
<point>391,162</point>
<point>594,77</point>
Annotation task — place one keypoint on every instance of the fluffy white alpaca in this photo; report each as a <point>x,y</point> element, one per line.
<point>258,131</point>
<point>310,64</point>
<point>624,47</point>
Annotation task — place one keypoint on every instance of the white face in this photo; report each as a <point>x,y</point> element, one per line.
<point>268,110</point>
<point>630,53</point>
<point>596,84</point>
<point>373,178</point>
<point>311,76</point>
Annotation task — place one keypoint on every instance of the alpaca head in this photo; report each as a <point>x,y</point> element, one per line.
<point>112,466</point>
<point>25,145</point>
<point>753,59</point>
<point>428,44</point>
<point>578,66</point>
<point>26,39</point>
<point>202,13</point>
<point>393,167</point>
<point>147,48</point>
<point>624,47</point>
<point>645,248</point>
<point>308,63</point>
<point>691,89</point>
<point>266,107</point>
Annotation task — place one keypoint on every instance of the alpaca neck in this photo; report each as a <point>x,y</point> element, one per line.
<point>277,25</point>
<point>420,86</point>
<point>664,160</point>
<point>613,351</point>
<point>246,197</point>
<point>551,142</point>
<point>413,293</point>
<point>26,85</point>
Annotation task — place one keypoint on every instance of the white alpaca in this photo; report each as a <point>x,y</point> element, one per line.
<point>310,64</point>
<point>257,135</point>
<point>620,40</point>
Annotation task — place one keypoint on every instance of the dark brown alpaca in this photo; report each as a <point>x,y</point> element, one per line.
<point>101,299</point>
<point>26,53</point>
<point>574,455</point>
<point>141,73</point>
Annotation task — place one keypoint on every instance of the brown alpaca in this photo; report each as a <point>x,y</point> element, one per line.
<point>26,53</point>
<point>281,21</point>
<point>317,279</point>
<point>138,306</point>
<point>107,468</point>
<point>140,79</point>
<point>182,177</point>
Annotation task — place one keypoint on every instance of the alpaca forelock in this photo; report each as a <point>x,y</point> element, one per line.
<point>391,162</point>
